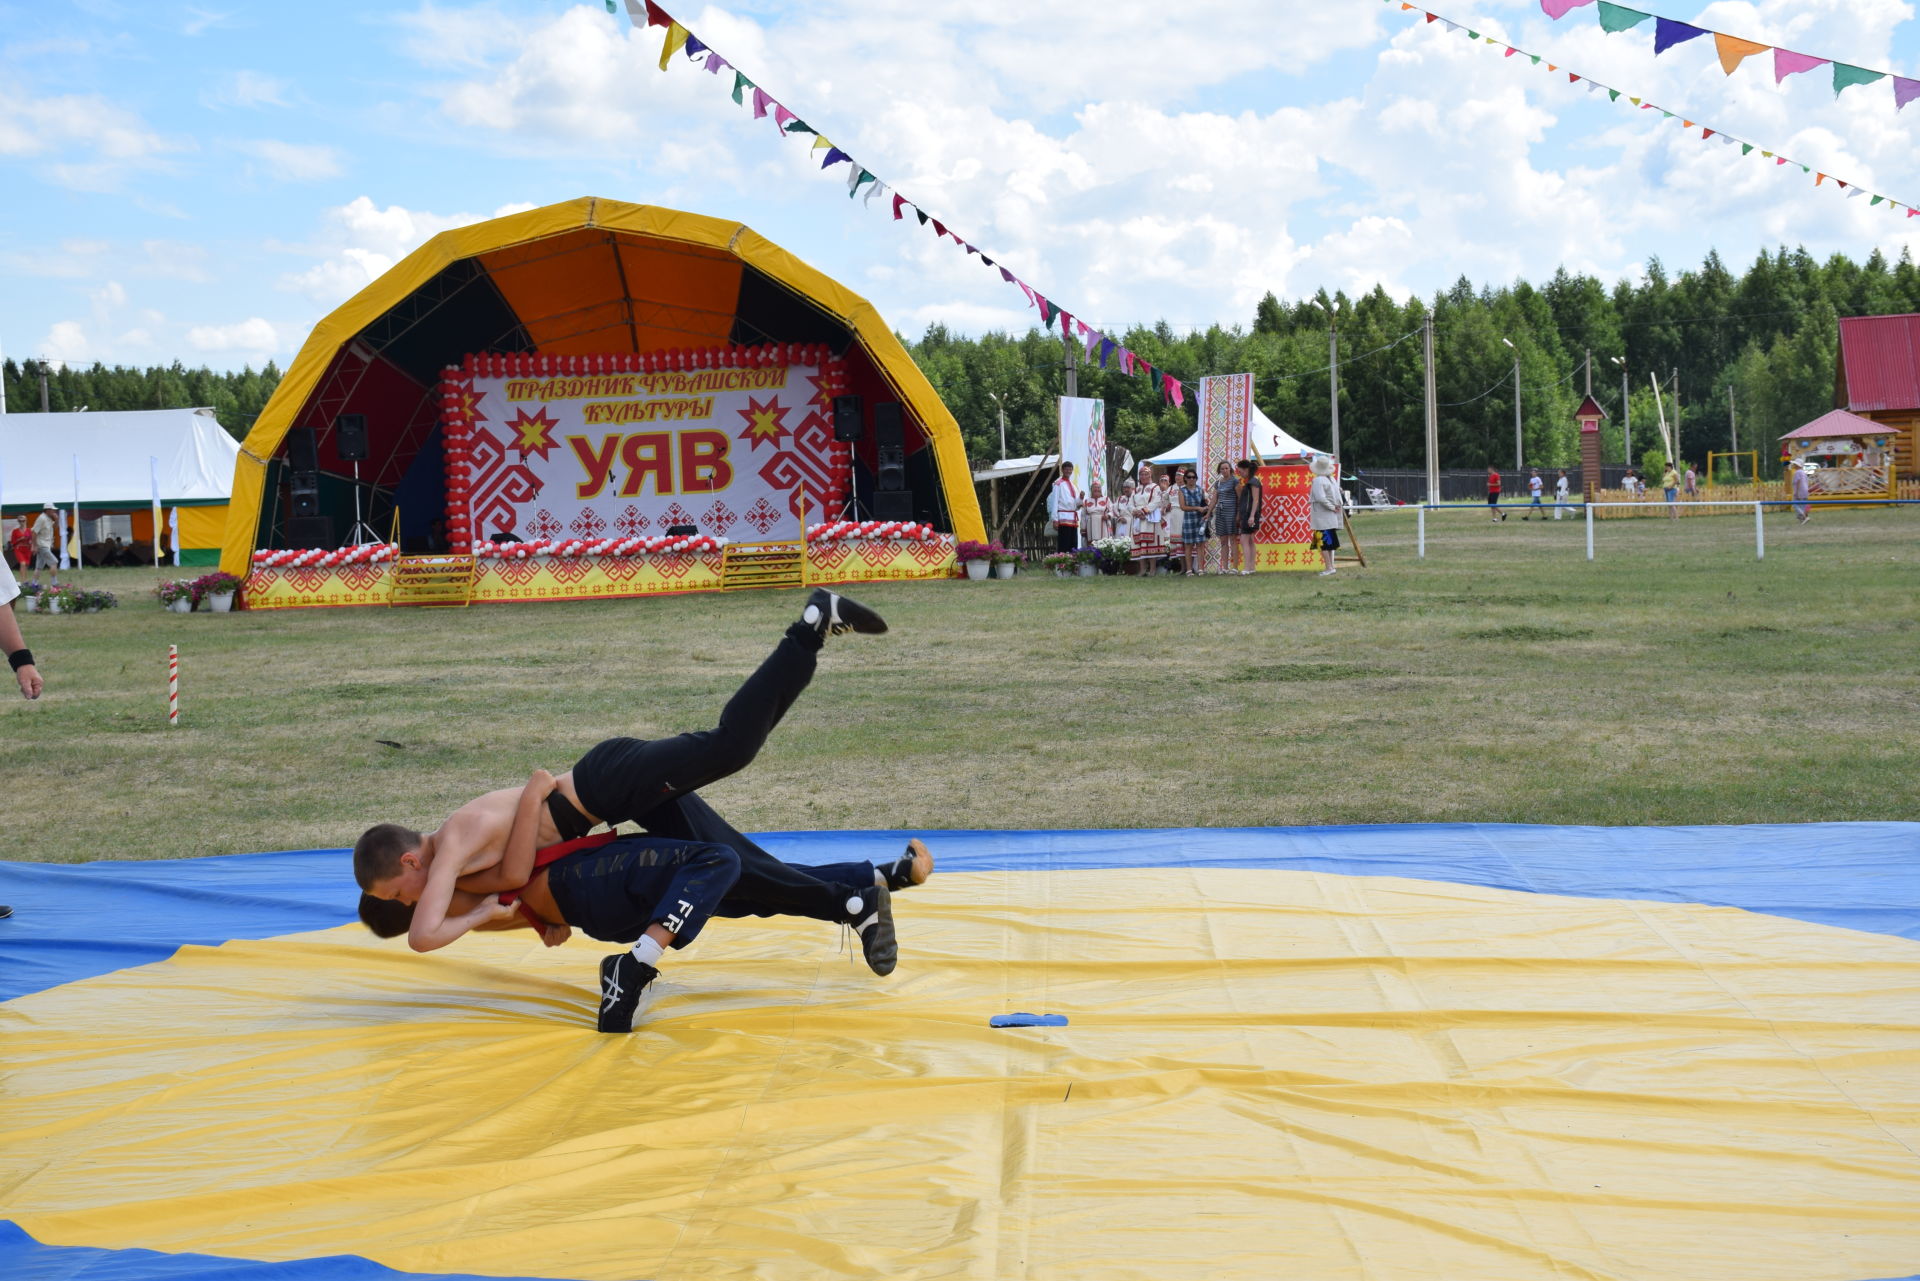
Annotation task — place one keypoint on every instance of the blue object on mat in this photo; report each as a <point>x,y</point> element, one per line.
<point>1027,1020</point>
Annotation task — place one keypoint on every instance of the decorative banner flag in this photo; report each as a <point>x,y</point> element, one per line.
<point>1555,9</point>
<point>834,157</point>
<point>714,63</point>
<point>740,85</point>
<point>676,36</point>
<point>1616,18</point>
<point>873,191</point>
<point>1788,63</point>
<point>1668,33</point>
<point>1083,439</point>
<point>1904,91</point>
<point>781,117</point>
<point>1845,77</point>
<point>760,101</point>
<point>1226,418</point>
<point>1732,51</point>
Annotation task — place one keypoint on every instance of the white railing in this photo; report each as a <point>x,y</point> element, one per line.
<point>1759,507</point>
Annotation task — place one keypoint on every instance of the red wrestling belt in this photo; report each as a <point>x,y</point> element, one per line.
<point>553,854</point>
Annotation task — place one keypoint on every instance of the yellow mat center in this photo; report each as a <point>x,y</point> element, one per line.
<point>1267,1074</point>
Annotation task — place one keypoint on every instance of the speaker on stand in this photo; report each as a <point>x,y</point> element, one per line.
<point>350,442</point>
<point>848,428</point>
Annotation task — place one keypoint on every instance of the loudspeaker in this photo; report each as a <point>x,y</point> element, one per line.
<point>302,453</point>
<point>888,433</point>
<point>303,500</point>
<point>350,437</point>
<point>306,532</point>
<point>846,418</point>
<point>682,531</point>
<point>891,475</point>
<point>894,504</point>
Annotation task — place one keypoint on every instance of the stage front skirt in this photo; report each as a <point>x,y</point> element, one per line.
<point>595,577</point>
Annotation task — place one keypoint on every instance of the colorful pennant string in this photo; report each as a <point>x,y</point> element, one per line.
<point>1614,17</point>
<point>1732,50</point>
<point>646,13</point>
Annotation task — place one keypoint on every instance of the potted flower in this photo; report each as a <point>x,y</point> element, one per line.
<point>1006,560</point>
<point>1115,554</point>
<point>1088,560</point>
<point>1061,563</point>
<point>57,599</point>
<point>176,594</point>
<point>975,557</point>
<point>217,589</point>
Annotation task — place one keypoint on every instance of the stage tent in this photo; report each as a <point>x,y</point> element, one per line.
<point>581,278</point>
<point>1271,443</point>
<point>119,458</point>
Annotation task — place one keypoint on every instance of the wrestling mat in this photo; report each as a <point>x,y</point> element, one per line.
<point>1462,1052</point>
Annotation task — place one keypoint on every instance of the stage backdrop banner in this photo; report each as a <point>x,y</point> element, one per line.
<point>1083,441</point>
<point>734,441</point>
<point>1226,414</point>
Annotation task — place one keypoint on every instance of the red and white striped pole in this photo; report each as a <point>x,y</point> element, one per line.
<point>173,686</point>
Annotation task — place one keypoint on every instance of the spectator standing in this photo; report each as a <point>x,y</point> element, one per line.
<point>1223,515</point>
<point>1190,504</point>
<point>1560,495</point>
<point>1149,520</point>
<point>1096,514</point>
<point>1323,510</point>
<point>1693,483</point>
<point>20,543</point>
<point>1670,484</point>
<point>1493,495</point>
<point>1801,507</point>
<point>1250,503</point>
<point>1063,509</point>
<point>1535,487</point>
<point>43,537</point>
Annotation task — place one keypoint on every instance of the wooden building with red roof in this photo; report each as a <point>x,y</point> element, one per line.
<point>1878,377</point>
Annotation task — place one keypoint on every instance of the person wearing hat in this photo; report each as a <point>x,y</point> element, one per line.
<point>43,536</point>
<point>1323,508</point>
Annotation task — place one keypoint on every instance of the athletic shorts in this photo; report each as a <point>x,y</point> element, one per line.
<point>1493,499</point>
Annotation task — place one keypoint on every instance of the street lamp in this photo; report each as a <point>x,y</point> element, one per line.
<point>1626,413</point>
<point>1519,449</point>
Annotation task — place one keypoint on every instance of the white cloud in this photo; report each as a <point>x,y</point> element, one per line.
<point>293,161</point>
<point>101,143</point>
<point>252,339</point>
<point>247,90</point>
<point>66,343</point>
<point>361,240</point>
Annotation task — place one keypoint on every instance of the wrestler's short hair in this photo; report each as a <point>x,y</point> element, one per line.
<point>376,855</point>
<point>386,918</point>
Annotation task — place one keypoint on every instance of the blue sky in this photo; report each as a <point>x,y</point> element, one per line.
<point>203,182</point>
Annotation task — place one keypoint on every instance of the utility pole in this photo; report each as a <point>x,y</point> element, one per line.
<point>1626,417</point>
<point>1519,446</point>
<point>1073,370</point>
<point>1433,412</point>
<point>1733,424</point>
<point>43,385</point>
<point>1673,446</point>
<point>1333,389</point>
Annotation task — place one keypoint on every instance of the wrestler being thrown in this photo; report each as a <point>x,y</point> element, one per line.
<point>654,891</point>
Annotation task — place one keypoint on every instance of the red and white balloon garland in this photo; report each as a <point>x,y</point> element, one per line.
<point>365,554</point>
<point>576,547</point>
<point>901,530</point>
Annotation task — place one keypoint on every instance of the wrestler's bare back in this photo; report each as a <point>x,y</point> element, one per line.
<point>478,829</point>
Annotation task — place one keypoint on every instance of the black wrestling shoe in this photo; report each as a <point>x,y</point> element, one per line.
<point>622,979</point>
<point>832,614</point>
<point>875,928</point>
<point>5,912</point>
<point>910,869</point>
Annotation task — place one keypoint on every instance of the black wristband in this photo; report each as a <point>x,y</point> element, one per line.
<point>20,658</point>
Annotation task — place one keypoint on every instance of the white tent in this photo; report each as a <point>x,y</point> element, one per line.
<point>1269,442</point>
<point>191,453</point>
<point>117,459</point>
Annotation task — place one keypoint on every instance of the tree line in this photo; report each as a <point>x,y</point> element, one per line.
<point>235,398</point>
<point>1769,334</point>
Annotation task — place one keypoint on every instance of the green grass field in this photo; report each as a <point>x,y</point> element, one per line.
<point>1503,679</point>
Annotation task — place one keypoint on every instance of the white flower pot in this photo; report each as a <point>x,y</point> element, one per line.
<point>221,602</point>
<point>1089,571</point>
<point>1003,571</point>
<point>1063,573</point>
<point>977,569</point>
<point>182,606</point>
<point>49,604</point>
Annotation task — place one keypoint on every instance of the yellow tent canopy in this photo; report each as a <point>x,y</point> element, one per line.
<point>585,277</point>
